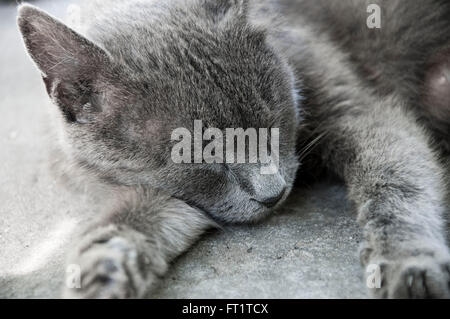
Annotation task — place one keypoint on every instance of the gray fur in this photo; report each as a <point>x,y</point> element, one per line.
<point>367,100</point>
<point>132,246</point>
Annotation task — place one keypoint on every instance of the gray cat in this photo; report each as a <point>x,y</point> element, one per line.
<point>371,106</point>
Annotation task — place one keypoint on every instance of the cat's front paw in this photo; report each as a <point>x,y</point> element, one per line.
<point>114,262</point>
<point>106,270</point>
<point>421,276</point>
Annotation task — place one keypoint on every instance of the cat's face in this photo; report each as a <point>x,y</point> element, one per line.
<point>119,116</point>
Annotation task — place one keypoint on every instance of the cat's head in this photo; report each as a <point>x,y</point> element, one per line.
<point>122,96</point>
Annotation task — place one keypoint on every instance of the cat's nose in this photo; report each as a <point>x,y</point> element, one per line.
<point>271,201</point>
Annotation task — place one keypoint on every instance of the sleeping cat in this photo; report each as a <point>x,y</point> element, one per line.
<point>370,106</point>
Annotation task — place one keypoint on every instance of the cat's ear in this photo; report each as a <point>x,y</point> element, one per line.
<point>222,9</point>
<point>70,63</point>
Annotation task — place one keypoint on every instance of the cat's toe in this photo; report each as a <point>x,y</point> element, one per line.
<point>417,278</point>
<point>423,279</point>
<point>108,280</point>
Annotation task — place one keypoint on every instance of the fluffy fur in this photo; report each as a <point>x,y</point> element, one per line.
<point>364,101</point>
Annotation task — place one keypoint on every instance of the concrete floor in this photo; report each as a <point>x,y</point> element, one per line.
<point>307,250</point>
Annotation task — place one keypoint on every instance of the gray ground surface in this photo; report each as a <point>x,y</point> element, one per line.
<point>307,250</point>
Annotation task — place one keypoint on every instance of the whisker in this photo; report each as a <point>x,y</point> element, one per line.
<point>308,148</point>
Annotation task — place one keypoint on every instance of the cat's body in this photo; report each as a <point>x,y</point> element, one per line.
<point>396,59</point>
<point>360,95</point>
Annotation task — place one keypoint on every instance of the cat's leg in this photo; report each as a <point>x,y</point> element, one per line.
<point>125,254</point>
<point>397,184</point>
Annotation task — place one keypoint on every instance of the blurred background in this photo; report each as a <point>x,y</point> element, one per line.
<point>307,250</point>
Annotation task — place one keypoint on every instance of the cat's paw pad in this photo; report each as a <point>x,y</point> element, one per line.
<point>107,270</point>
<point>415,277</point>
